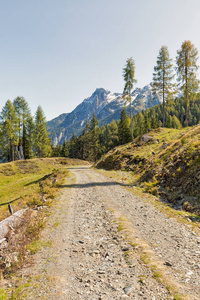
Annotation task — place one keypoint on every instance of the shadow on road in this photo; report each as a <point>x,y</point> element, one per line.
<point>88,185</point>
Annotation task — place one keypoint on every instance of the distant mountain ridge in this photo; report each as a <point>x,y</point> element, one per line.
<point>105,104</point>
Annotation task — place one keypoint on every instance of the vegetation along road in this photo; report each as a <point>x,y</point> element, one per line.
<point>107,243</point>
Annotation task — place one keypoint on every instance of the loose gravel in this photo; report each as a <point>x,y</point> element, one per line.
<point>91,259</point>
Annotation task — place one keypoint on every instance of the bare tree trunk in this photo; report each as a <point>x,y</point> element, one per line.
<point>186,95</point>
<point>11,151</point>
<point>163,103</point>
<point>131,121</point>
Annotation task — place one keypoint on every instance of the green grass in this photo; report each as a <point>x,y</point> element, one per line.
<point>3,294</point>
<point>178,297</point>
<point>19,181</point>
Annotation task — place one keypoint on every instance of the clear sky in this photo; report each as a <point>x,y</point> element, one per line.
<point>56,53</point>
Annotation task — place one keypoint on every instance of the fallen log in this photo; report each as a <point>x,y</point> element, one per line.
<point>11,222</point>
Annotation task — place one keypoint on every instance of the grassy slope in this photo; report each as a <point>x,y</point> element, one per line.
<point>19,180</point>
<point>168,165</point>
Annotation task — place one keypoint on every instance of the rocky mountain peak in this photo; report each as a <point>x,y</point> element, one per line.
<point>106,105</point>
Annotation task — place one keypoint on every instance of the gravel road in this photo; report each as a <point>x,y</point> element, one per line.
<point>91,259</point>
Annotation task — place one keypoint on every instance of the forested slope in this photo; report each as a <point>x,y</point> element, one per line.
<point>165,162</point>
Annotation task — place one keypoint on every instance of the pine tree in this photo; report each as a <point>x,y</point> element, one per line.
<point>169,122</point>
<point>8,131</point>
<point>163,76</point>
<point>73,147</point>
<point>42,142</point>
<point>85,140</point>
<point>23,112</point>
<point>94,137</point>
<point>186,70</point>
<point>176,123</point>
<point>147,124</point>
<point>124,131</point>
<point>140,123</point>
<point>56,151</point>
<point>65,150</point>
<point>153,122</point>
<point>23,118</point>
<point>28,138</point>
<point>128,74</point>
<point>113,139</point>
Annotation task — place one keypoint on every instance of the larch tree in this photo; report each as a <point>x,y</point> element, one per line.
<point>186,69</point>
<point>163,76</point>
<point>129,74</point>
<point>42,142</point>
<point>23,120</point>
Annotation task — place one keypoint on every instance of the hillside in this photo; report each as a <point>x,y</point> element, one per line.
<point>165,162</point>
<point>107,107</point>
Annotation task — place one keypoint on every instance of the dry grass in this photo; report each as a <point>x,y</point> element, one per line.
<point>167,166</point>
<point>28,184</point>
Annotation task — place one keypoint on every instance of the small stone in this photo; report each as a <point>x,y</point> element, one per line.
<point>168,264</point>
<point>101,272</point>
<point>198,266</point>
<point>189,273</point>
<point>125,249</point>
<point>128,290</point>
<point>96,251</point>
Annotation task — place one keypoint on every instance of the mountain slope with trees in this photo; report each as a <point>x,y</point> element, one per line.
<point>165,162</point>
<point>119,133</point>
<point>107,106</point>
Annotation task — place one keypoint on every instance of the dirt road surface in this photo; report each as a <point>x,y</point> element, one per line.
<point>90,257</point>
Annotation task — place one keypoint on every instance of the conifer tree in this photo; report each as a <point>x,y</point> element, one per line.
<point>42,142</point>
<point>28,138</point>
<point>65,150</point>
<point>94,137</point>
<point>175,122</point>
<point>139,123</point>
<point>129,74</point>
<point>186,61</point>
<point>72,146</point>
<point>56,151</point>
<point>113,139</point>
<point>147,124</point>
<point>163,76</point>
<point>23,112</point>
<point>24,120</point>
<point>85,140</point>
<point>8,131</point>
<point>124,131</point>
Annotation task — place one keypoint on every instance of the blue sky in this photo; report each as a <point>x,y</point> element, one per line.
<point>56,53</point>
